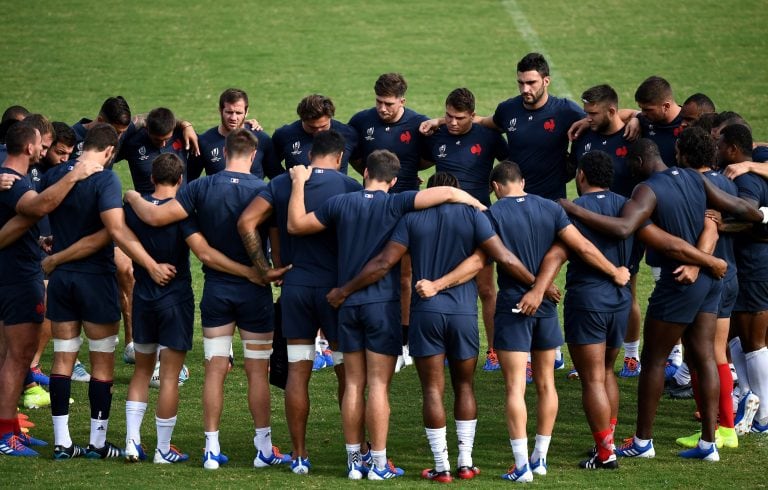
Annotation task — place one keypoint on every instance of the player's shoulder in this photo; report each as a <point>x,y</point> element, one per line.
<point>364,116</point>
<point>287,129</point>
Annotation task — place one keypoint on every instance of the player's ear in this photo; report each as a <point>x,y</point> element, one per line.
<point>109,153</point>
<point>338,160</point>
<point>546,81</point>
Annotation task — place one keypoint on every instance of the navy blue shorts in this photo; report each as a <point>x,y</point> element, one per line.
<point>374,327</point>
<point>169,325</point>
<point>583,327</point>
<point>79,296</point>
<point>247,305</point>
<point>680,303</point>
<point>753,297</point>
<point>304,310</point>
<point>22,303</point>
<point>728,297</point>
<point>520,333</point>
<point>433,333</point>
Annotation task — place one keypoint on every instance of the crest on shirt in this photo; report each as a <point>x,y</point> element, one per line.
<point>35,175</point>
<point>512,125</point>
<point>296,148</point>
<point>143,153</point>
<point>441,152</point>
<point>215,155</point>
<point>369,135</point>
<point>587,147</point>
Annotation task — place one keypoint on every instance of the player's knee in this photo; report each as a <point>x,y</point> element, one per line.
<point>106,345</point>
<point>257,349</point>
<point>301,352</point>
<point>217,346</point>
<point>67,345</point>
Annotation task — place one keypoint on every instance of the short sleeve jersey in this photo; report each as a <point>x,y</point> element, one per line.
<point>313,257</point>
<point>587,288</point>
<point>79,215</point>
<point>363,222</point>
<point>167,245</point>
<point>616,146</point>
<point>211,157</point>
<point>538,142</point>
<point>401,138</point>
<point>139,151</point>
<point>293,144</point>
<point>79,129</point>
<point>438,239</point>
<point>751,255</point>
<point>528,226</point>
<point>218,201</point>
<point>724,248</point>
<point>664,135</point>
<point>680,206</point>
<point>469,157</point>
<point>19,261</point>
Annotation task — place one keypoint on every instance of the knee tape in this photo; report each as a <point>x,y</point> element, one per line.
<point>338,358</point>
<point>251,353</point>
<point>67,345</point>
<point>301,352</point>
<point>107,344</point>
<point>145,348</point>
<point>217,346</point>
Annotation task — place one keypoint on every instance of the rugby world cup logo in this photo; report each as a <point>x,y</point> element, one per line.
<point>587,147</point>
<point>512,125</point>
<point>215,155</point>
<point>143,153</point>
<point>369,135</point>
<point>296,148</point>
<point>441,152</point>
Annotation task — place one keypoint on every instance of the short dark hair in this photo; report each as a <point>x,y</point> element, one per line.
<point>461,99</point>
<point>534,61</point>
<point>240,143</point>
<point>443,179</point>
<point>382,165</point>
<point>100,137</point>
<point>696,146</point>
<point>598,168</point>
<point>64,134</point>
<point>41,123</point>
<point>705,121</point>
<point>15,112</point>
<point>115,110</point>
<point>703,102</point>
<point>167,168</point>
<point>232,95</point>
<point>20,135</point>
<point>160,121</point>
<point>390,85</point>
<point>738,135</point>
<point>600,94</point>
<point>726,118</point>
<point>653,90</point>
<point>644,148</point>
<point>329,142</point>
<point>314,107</point>
<point>505,172</point>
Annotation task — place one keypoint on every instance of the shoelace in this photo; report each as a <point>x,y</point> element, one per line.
<point>631,363</point>
<point>15,443</point>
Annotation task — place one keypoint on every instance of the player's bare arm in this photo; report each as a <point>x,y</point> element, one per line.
<point>85,247</point>
<point>153,215</point>
<point>299,222</point>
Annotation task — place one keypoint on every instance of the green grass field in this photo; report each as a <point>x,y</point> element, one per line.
<point>64,58</point>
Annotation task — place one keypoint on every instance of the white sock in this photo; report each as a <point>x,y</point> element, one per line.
<point>529,357</point>
<point>632,349</point>
<point>134,415</point>
<point>465,431</point>
<point>757,367</point>
<point>379,458</point>
<point>353,454</point>
<point>519,451</point>
<point>61,431</point>
<point>683,375</point>
<point>439,445</point>
<point>558,354</point>
<point>740,363</point>
<point>641,442</point>
<point>164,432</point>
<point>676,356</point>
<point>541,447</point>
<point>212,442</point>
<point>99,432</point>
<point>263,440</point>
<point>705,445</point>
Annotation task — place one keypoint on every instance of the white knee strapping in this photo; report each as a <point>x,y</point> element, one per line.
<point>301,352</point>
<point>107,344</point>
<point>67,345</point>
<point>249,353</point>
<point>217,346</point>
<point>145,348</point>
<point>338,358</point>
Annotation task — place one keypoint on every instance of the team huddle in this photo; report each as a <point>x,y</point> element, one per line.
<point>387,274</point>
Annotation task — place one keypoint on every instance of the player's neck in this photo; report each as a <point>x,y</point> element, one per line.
<point>164,191</point>
<point>614,126</point>
<point>17,163</point>
<point>674,111</point>
<point>539,103</point>
<point>239,165</point>
<point>224,131</point>
<point>328,162</point>
<point>589,189</point>
<point>376,185</point>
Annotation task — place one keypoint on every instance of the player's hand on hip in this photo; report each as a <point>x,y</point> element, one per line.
<point>622,276</point>
<point>553,293</point>
<point>426,288</point>
<point>686,274</point>
<point>719,268</point>
<point>336,297</point>
<point>162,273</point>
